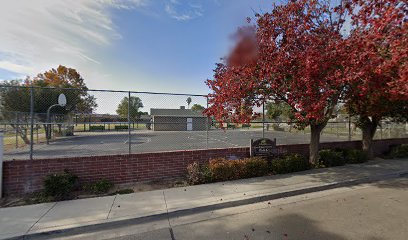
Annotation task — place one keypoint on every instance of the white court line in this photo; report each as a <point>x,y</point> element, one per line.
<point>216,139</point>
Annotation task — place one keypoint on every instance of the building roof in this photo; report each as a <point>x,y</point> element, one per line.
<point>175,112</point>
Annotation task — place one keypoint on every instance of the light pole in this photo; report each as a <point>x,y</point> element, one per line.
<point>62,102</point>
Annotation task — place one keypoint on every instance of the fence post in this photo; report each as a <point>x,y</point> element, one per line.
<point>263,119</point>
<point>31,122</point>
<point>207,125</point>
<point>1,163</point>
<point>17,126</point>
<point>129,135</point>
<point>349,127</point>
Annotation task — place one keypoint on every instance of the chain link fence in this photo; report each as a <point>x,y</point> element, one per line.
<point>104,122</point>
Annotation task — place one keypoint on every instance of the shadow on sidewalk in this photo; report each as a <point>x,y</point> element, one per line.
<point>372,168</point>
<point>247,227</point>
<point>400,183</point>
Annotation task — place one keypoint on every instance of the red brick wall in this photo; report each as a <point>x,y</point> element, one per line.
<point>25,176</point>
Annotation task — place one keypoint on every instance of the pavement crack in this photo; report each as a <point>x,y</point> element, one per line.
<point>113,202</point>
<point>172,234</point>
<point>167,209</point>
<point>168,218</point>
<point>41,218</point>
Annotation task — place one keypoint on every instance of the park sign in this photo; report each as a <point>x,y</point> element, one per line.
<point>264,147</point>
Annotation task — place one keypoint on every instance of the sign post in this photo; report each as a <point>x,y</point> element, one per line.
<point>265,147</point>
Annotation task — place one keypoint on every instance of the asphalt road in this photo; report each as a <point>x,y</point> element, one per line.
<point>111,143</point>
<point>375,211</point>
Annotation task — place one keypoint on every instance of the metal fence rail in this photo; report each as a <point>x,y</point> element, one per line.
<point>104,122</point>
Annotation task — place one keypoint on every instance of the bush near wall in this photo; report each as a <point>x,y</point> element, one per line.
<point>331,158</point>
<point>290,163</point>
<point>223,169</point>
<point>60,185</point>
<point>97,128</point>
<point>121,127</point>
<point>199,173</point>
<point>340,157</point>
<point>353,156</point>
<point>400,151</point>
<point>66,185</point>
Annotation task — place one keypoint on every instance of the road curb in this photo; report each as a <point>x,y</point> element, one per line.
<point>228,204</point>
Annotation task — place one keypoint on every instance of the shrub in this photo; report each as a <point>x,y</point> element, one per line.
<point>223,169</point>
<point>198,173</point>
<point>355,156</point>
<point>121,127</point>
<point>331,158</point>
<point>289,163</point>
<point>60,185</point>
<point>97,128</point>
<point>232,126</point>
<point>193,173</point>
<point>255,167</point>
<point>206,174</point>
<point>101,186</point>
<point>400,151</point>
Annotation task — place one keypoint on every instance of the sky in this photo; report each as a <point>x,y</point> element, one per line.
<point>138,45</point>
<point>141,45</point>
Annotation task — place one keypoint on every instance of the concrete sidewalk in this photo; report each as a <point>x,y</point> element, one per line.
<point>162,204</point>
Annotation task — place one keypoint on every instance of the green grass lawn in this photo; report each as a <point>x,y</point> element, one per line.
<point>9,141</point>
<point>108,126</point>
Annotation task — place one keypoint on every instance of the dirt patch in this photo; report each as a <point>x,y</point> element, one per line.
<point>156,185</point>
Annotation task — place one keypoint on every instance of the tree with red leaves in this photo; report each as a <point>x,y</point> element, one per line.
<point>292,54</point>
<point>376,66</point>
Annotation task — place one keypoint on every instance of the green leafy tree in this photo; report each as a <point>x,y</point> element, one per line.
<point>279,112</point>
<point>197,107</point>
<point>15,97</point>
<point>135,105</point>
<point>75,90</point>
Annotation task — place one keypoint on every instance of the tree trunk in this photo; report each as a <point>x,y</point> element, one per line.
<point>316,129</point>
<point>22,133</point>
<point>59,129</point>
<point>368,128</point>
